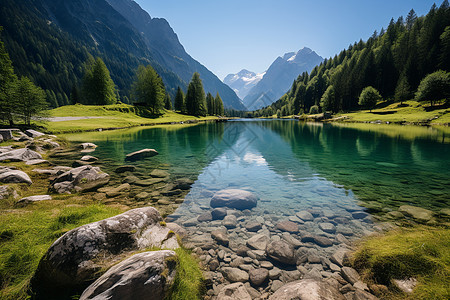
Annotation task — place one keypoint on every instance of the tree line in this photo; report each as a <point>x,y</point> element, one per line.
<point>393,62</point>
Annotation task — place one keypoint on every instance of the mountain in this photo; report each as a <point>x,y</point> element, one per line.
<point>50,40</point>
<point>243,81</point>
<point>279,77</point>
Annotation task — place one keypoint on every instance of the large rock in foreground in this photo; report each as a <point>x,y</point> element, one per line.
<point>72,261</point>
<point>307,289</point>
<point>8,175</point>
<point>146,275</point>
<point>141,154</point>
<point>23,154</point>
<point>234,198</point>
<point>81,179</point>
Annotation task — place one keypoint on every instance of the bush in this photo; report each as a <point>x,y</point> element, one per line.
<point>434,87</point>
<point>369,97</point>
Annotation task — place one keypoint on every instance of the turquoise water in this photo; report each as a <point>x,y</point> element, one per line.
<point>292,165</point>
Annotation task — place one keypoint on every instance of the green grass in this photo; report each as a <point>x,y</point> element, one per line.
<point>110,116</point>
<point>410,112</point>
<point>26,234</point>
<point>421,252</point>
<point>188,284</point>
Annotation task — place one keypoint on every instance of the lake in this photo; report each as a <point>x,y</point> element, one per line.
<point>343,174</point>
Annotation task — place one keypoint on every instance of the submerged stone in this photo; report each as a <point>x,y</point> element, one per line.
<point>234,198</point>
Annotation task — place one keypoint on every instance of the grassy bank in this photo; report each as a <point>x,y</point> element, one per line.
<point>410,112</point>
<point>109,116</point>
<point>421,252</point>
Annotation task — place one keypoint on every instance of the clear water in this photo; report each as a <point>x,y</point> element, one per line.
<point>294,165</point>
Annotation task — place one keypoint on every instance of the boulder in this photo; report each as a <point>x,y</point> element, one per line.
<point>405,285</point>
<point>156,173</point>
<point>148,273</point>
<point>234,198</point>
<point>220,237</point>
<point>141,154</point>
<point>340,257</point>
<point>307,289</point>
<point>230,221</point>
<point>218,213</point>
<point>34,162</point>
<point>6,191</point>
<point>350,274</point>
<point>205,217</point>
<point>305,215</point>
<point>288,226</point>
<point>6,134</point>
<point>23,154</point>
<point>418,213</point>
<point>73,261</point>
<point>258,277</point>
<point>234,291</point>
<point>81,179</point>
<point>31,199</point>
<point>126,168</point>
<point>8,175</point>
<point>235,274</point>
<point>258,242</point>
<point>281,252</point>
<point>89,158</point>
<point>33,133</point>
<point>253,226</point>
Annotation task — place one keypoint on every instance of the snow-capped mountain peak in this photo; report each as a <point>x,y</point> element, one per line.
<point>243,81</point>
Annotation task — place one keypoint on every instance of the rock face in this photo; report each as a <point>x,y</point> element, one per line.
<point>307,289</point>
<point>71,262</point>
<point>418,213</point>
<point>81,179</point>
<point>8,175</point>
<point>281,252</point>
<point>234,198</point>
<point>23,154</point>
<point>234,291</point>
<point>145,275</point>
<point>141,154</point>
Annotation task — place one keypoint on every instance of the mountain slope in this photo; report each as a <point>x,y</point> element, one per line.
<point>243,81</point>
<point>279,77</point>
<point>55,37</point>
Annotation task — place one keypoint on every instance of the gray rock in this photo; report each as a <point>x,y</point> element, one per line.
<point>7,191</point>
<point>205,217</point>
<point>156,173</point>
<point>340,257</point>
<point>307,289</point>
<point>405,285</point>
<point>253,226</point>
<point>74,259</point>
<point>220,237</point>
<point>305,215</point>
<point>288,226</point>
<point>8,175</point>
<point>361,285</point>
<point>141,154</point>
<point>234,198</point>
<point>31,199</point>
<point>258,242</point>
<point>327,227</point>
<point>359,215</point>
<point>274,273</point>
<point>417,213</point>
<point>234,291</point>
<point>126,168</point>
<point>81,179</point>
<point>230,221</point>
<point>180,231</point>
<point>148,273</point>
<point>276,284</point>
<point>291,240</point>
<point>89,158</point>
<point>218,213</point>
<point>322,241</point>
<point>235,274</point>
<point>258,277</point>
<point>6,134</point>
<point>33,133</point>
<point>86,146</point>
<point>23,154</point>
<point>34,162</point>
<point>350,274</point>
<point>363,295</point>
<point>281,252</point>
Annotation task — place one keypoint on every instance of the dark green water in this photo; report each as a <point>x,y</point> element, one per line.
<point>294,165</point>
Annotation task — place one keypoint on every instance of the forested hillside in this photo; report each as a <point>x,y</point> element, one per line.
<point>394,61</point>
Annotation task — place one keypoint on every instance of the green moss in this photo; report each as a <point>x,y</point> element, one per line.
<point>189,283</point>
<point>420,252</point>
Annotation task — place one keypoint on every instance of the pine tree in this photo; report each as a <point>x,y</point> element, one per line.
<point>219,110</point>
<point>7,80</point>
<point>410,19</point>
<point>179,101</point>
<point>403,90</point>
<point>168,102</point>
<point>195,97</point>
<point>148,89</point>
<point>327,102</point>
<point>210,104</point>
<point>98,87</point>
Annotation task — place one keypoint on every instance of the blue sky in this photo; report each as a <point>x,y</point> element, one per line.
<point>227,36</point>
